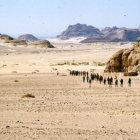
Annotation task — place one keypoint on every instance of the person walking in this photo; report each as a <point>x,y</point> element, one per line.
<point>83,78</point>
<point>89,83</point>
<point>87,79</point>
<point>121,82</point>
<point>129,82</point>
<point>110,82</point>
<point>116,83</point>
<point>104,81</point>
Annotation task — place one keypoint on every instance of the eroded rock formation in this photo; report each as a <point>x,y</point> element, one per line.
<point>125,60</point>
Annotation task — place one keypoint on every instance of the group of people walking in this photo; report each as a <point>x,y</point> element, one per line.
<point>78,73</point>
<point>99,78</point>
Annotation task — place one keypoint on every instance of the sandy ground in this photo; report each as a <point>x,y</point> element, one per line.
<point>64,57</point>
<point>64,107</point>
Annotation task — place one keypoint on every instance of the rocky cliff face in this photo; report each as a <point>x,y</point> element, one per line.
<point>80,30</point>
<point>28,37</point>
<point>125,60</point>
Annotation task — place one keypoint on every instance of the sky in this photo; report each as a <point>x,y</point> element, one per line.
<point>48,18</point>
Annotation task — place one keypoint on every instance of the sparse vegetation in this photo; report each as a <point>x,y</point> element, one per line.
<point>70,63</point>
<point>83,63</point>
<point>37,71</point>
<point>14,71</point>
<point>4,65</point>
<point>98,64</point>
<point>16,80</point>
<point>55,69</point>
<point>28,96</point>
<point>34,72</point>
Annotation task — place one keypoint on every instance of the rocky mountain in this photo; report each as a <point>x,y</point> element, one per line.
<point>93,34</point>
<point>28,37</point>
<point>125,60</point>
<point>115,35</point>
<point>80,30</point>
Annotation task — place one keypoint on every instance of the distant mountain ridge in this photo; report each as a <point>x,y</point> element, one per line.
<point>28,37</point>
<point>93,34</point>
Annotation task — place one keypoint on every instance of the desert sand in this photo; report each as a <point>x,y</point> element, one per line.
<point>64,107</point>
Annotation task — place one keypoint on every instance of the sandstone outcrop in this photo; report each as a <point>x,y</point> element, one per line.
<point>125,60</point>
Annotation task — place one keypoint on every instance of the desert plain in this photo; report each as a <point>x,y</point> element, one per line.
<point>65,108</point>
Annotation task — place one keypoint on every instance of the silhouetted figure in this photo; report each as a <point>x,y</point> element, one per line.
<point>104,81</point>
<point>108,80</point>
<point>87,78</point>
<point>121,82</point>
<point>111,81</point>
<point>97,76</point>
<point>87,73</point>
<point>89,83</point>
<point>100,79</point>
<point>83,79</point>
<point>129,82</point>
<point>116,83</point>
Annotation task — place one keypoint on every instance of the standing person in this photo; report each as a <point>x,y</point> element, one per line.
<point>129,82</point>
<point>57,73</point>
<point>89,83</point>
<point>116,82</point>
<point>83,78</point>
<point>121,82</point>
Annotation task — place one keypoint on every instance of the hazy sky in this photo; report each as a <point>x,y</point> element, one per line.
<point>51,17</point>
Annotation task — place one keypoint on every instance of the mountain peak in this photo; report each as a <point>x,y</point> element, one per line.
<point>80,30</point>
<point>29,37</point>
